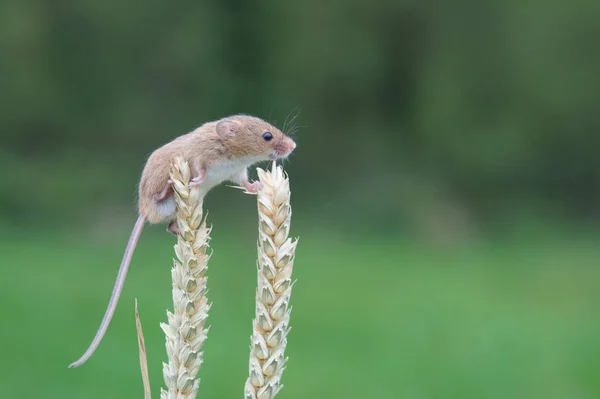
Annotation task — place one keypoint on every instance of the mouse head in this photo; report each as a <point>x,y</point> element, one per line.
<point>250,136</point>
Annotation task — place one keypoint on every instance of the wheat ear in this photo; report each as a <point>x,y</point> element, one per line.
<point>185,332</point>
<point>275,263</point>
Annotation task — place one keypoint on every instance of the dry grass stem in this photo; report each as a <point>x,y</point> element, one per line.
<point>185,332</point>
<point>275,263</point>
<point>142,347</point>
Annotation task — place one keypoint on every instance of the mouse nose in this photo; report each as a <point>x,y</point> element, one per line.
<point>291,146</point>
<point>285,147</point>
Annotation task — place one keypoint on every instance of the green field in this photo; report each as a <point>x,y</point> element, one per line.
<point>371,318</point>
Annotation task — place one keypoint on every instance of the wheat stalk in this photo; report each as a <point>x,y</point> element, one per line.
<point>185,332</point>
<point>275,263</point>
<point>142,350</point>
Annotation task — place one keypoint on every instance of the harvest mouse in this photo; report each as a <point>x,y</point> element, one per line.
<point>217,151</point>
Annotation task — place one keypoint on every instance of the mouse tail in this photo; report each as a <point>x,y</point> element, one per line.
<point>116,293</point>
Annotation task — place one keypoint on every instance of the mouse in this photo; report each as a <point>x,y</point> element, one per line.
<point>217,151</point>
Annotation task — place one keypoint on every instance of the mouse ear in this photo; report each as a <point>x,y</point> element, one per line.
<point>227,128</point>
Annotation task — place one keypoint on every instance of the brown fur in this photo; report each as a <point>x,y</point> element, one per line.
<point>209,146</point>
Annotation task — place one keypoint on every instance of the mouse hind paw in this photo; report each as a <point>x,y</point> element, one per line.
<point>165,193</point>
<point>172,227</point>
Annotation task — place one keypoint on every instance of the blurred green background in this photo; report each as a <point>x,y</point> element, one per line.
<point>446,190</point>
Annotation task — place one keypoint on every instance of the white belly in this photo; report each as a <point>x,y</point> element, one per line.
<point>217,175</point>
<point>229,170</point>
<point>214,176</point>
<point>166,208</point>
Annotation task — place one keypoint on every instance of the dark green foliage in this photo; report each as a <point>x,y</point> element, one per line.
<point>492,105</point>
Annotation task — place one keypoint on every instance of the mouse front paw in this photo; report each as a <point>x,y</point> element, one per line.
<point>196,181</point>
<point>200,176</point>
<point>254,187</point>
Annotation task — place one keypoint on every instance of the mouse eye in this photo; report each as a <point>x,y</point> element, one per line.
<point>267,136</point>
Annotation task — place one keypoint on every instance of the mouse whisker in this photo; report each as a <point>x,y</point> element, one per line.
<point>295,109</point>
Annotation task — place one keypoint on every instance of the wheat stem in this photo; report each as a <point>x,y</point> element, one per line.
<point>275,262</point>
<point>142,349</point>
<point>185,332</point>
